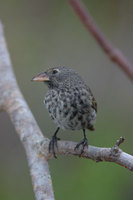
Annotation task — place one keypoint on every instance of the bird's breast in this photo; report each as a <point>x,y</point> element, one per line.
<point>70,109</point>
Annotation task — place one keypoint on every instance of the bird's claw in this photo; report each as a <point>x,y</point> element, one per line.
<point>84,144</point>
<point>53,144</point>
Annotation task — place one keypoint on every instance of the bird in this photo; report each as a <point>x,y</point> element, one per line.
<point>70,103</point>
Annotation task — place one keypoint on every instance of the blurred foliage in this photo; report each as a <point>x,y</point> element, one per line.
<point>47,33</point>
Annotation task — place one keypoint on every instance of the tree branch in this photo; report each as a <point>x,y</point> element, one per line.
<point>114,54</point>
<point>12,101</point>
<point>97,154</point>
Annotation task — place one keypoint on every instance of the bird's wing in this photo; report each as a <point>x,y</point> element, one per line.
<point>94,104</point>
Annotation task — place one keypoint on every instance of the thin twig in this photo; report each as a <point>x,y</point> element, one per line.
<point>114,54</point>
<point>12,101</point>
<point>120,141</point>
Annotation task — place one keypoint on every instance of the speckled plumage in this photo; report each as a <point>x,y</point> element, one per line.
<point>69,100</point>
<point>71,107</point>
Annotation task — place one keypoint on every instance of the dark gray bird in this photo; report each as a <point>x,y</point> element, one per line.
<point>69,101</point>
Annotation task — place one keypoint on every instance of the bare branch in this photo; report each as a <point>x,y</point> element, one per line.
<point>114,54</point>
<point>97,154</point>
<point>12,101</point>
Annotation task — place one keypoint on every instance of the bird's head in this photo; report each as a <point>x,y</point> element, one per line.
<point>55,77</point>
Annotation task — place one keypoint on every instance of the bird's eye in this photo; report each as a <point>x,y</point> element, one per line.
<point>55,71</point>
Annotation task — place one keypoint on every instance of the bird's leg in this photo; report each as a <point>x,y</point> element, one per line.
<point>53,143</point>
<point>84,143</point>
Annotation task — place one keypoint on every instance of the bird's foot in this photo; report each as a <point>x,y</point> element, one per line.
<point>53,144</point>
<point>84,144</point>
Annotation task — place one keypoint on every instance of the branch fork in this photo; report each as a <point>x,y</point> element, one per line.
<point>115,151</point>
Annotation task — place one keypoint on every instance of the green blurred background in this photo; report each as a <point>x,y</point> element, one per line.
<point>47,33</point>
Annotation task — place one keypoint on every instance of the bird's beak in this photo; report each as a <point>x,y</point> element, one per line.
<point>42,77</point>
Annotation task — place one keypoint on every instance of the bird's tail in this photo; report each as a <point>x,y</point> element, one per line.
<point>91,128</point>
